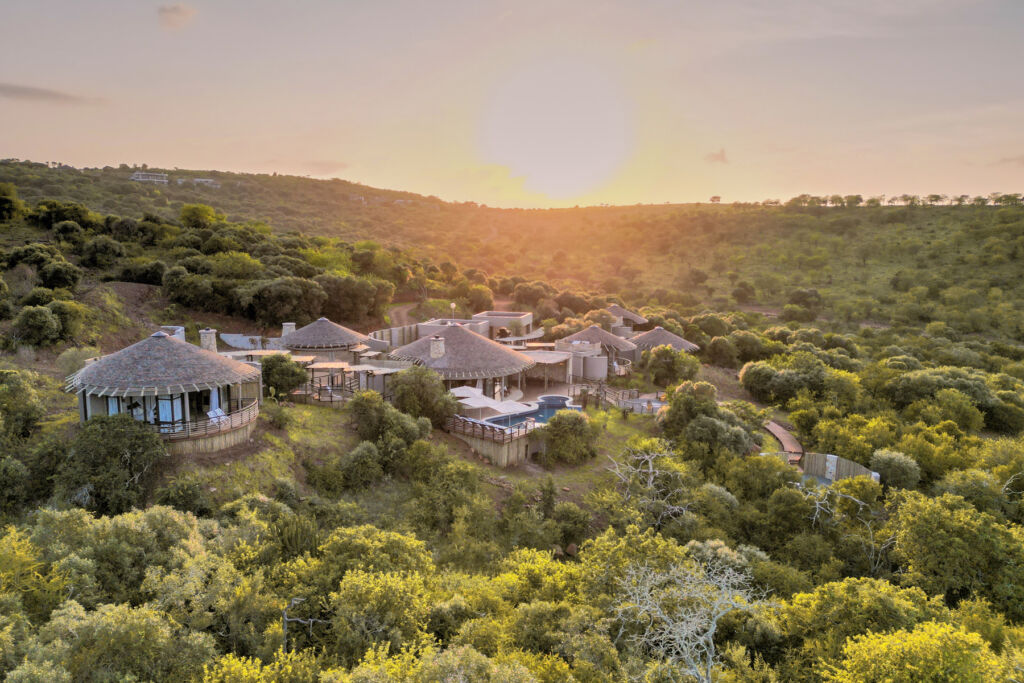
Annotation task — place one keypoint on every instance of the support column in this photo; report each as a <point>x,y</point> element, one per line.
<point>188,419</point>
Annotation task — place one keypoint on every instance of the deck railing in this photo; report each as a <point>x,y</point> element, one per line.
<point>602,393</point>
<point>207,426</point>
<point>482,430</point>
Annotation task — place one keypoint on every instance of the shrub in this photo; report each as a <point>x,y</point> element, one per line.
<point>110,464</point>
<point>185,495</point>
<point>38,296</point>
<point>420,392</point>
<point>60,274</point>
<point>568,437</point>
<point>282,375</point>
<point>101,252</point>
<point>73,359</point>
<point>37,326</point>
<point>668,366</point>
<point>895,469</point>
<point>362,467</point>
<point>723,353</point>
<point>70,314</point>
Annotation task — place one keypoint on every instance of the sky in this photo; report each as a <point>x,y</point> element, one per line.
<point>532,103</point>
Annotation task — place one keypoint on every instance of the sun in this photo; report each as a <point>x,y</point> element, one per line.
<point>563,124</point>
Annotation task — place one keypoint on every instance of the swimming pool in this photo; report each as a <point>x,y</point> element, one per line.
<point>546,406</point>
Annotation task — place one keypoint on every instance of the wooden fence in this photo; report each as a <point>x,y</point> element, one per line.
<point>483,430</point>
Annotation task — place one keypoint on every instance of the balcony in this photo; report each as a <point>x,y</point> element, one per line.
<point>240,414</point>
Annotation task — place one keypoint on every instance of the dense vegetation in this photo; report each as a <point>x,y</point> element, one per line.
<point>638,548</point>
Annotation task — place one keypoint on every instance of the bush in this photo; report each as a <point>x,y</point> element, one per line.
<point>39,296</point>
<point>101,252</point>
<point>110,464</point>
<point>282,375</point>
<point>420,392</point>
<point>895,469</point>
<point>362,467</point>
<point>185,495</point>
<point>568,437</point>
<point>668,366</point>
<point>73,359</point>
<point>60,274</point>
<point>36,326</point>
<point>70,314</point>
<point>723,353</point>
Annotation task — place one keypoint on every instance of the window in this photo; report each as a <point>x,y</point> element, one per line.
<point>113,405</point>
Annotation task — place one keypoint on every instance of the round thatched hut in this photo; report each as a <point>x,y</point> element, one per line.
<point>659,336</point>
<point>199,400</point>
<point>462,356</point>
<point>328,341</point>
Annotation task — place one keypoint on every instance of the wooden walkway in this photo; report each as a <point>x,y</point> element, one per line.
<point>788,441</point>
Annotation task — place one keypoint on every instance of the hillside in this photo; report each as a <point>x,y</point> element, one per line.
<point>889,336</point>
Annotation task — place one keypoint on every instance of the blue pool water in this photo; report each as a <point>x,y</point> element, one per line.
<point>546,407</point>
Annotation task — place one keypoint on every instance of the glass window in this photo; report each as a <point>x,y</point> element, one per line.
<point>113,405</point>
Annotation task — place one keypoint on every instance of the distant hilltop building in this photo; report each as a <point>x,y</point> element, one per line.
<point>716,199</point>
<point>208,182</point>
<point>147,177</point>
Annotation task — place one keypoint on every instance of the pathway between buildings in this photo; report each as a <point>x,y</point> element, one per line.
<point>400,315</point>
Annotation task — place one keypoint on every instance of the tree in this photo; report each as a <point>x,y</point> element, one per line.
<point>676,614</point>
<point>282,375</point>
<point>110,464</point>
<point>10,205</point>
<point>420,392</point>
<point>480,298</point>
<point>668,366</point>
<point>116,642</point>
<point>36,326</point>
<point>895,469</point>
<point>932,651</point>
<point>284,298</point>
<point>568,437</point>
<point>21,407</point>
<point>199,216</point>
<point>723,353</point>
<point>378,608</point>
<point>101,251</point>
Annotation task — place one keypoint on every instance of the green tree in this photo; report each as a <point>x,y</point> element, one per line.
<point>930,652</point>
<point>420,392</point>
<point>110,464</point>
<point>568,437</point>
<point>282,375</point>
<point>668,366</point>
<point>36,326</point>
<point>199,216</point>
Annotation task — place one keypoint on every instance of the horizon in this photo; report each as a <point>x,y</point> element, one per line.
<point>527,105</point>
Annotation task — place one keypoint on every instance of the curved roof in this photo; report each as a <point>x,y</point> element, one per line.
<point>659,336</point>
<point>159,364</point>
<point>467,355</point>
<point>323,334</point>
<point>598,335</point>
<point>626,314</point>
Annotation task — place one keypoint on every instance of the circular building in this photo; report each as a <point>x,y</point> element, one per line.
<point>327,341</point>
<point>198,400</point>
<point>462,357</point>
<point>659,336</point>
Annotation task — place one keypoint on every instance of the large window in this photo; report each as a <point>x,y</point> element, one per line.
<point>113,405</point>
<point>169,409</point>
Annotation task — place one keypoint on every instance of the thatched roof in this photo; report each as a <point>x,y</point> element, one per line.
<point>323,334</point>
<point>467,355</point>
<point>659,336</point>
<point>596,334</point>
<point>159,364</point>
<point>626,314</point>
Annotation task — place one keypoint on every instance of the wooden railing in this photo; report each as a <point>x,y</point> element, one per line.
<point>602,393</point>
<point>195,429</point>
<point>482,430</point>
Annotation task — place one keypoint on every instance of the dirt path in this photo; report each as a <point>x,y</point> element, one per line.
<point>400,315</point>
<point>788,441</point>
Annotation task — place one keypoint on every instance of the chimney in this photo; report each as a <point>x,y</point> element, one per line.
<point>208,339</point>
<point>287,328</point>
<point>436,346</point>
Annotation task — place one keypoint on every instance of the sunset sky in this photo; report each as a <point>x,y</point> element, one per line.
<point>530,102</point>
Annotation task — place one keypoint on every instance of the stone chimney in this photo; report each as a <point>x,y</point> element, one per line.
<point>436,346</point>
<point>287,328</point>
<point>208,339</point>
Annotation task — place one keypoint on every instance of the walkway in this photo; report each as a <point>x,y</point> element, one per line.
<point>788,441</point>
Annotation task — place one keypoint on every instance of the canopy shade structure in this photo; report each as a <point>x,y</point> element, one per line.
<point>659,336</point>
<point>471,397</point>
<point>457,353</point>
<point>159,364</point>
<point>324,334</point>
<point>596,334</point>
<point>626,314</point>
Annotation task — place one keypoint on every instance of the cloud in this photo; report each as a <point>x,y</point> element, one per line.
<point>1017,160</point>
<point>28,93</point>
<point>716,157</point>
<point>178,15</point>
